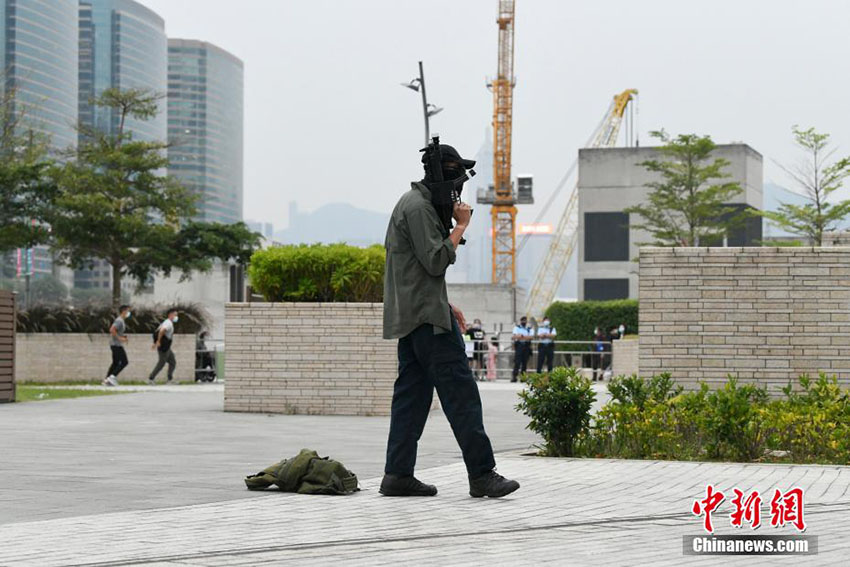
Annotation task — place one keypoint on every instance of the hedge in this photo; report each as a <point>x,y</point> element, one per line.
<point>98,319</point>
<point>319,272</point>
<point>576,321</point>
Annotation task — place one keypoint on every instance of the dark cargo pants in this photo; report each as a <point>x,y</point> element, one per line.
<point>427,361</point>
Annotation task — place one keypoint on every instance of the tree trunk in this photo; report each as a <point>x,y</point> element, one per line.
<point>116,285</point>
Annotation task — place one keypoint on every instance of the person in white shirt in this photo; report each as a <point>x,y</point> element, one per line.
<point>546,333</point>
<point>522,336</point>
<point>162,343</point>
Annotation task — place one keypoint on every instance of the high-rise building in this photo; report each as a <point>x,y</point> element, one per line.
<point>122,44</point>
<point>38,39</point>
<point>205,126</point>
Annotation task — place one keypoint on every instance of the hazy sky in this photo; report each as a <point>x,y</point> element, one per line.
<point>327,121</point>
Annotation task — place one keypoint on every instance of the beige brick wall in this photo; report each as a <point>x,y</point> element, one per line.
<point>764,314</point>
<point>54,357</point>
<point>624,357</point>
<point>308,358</point>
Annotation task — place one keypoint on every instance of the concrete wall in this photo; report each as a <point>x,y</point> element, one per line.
<point>54,357</point>
<point>308,358</point>
<point>610,180</point>
<point>764,314</point>
<point>495,305</point>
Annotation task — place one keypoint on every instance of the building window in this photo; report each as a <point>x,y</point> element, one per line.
<point>606,289</point>
<point>606,237</point>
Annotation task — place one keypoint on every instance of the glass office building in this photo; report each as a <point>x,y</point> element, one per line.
<point>39,43</point>
<point>205,107</point>
<point>123,45</point>
<point>38,39</point>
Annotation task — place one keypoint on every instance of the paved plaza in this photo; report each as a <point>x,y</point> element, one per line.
<point>154,478</point>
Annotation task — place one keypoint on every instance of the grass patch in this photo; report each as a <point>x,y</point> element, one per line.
<point>29,393</point>
<point>160,381</point>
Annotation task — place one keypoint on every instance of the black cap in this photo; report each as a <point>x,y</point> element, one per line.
<point>448,153</point>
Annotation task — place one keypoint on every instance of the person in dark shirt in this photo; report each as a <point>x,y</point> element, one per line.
<point>421,243</point>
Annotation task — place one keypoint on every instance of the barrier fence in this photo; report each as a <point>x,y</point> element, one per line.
<point>500,365</point>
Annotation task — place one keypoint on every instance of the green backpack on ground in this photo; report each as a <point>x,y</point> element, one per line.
<point>306,473</point>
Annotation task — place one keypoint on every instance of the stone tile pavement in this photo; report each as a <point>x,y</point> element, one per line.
<point>568,512</point>
<point>153,478</point>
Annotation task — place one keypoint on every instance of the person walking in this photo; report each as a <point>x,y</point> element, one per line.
<point>522,336</point>
<point>117,339</point>
<point>163,338</point>
<point>546,334</point>
<point>421,243</point>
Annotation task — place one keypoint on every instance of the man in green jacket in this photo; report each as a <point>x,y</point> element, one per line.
<point>421,243</point>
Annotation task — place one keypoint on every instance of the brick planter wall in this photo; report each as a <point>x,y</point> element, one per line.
<point>54,357</point>
<point>308,358</point>
<point>764,314</point>
<point>624,356</point>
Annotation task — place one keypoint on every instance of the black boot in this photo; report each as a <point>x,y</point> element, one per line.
<point>393,485</point>
<point>492,485</point>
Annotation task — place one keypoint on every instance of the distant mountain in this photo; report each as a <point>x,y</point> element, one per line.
<point>335,222</point>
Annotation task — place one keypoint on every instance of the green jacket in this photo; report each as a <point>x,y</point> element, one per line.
<point>417,257</point>
<point>306,473</point>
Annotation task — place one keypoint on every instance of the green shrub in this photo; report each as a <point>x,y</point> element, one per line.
<point>558,404</point>
<point>651,418</point>
<point>812,424</point>
<point>98,318</point>
<point>576,321</point>
<point>734,425</point>
<point>318,272</point>
<point>636,390</point>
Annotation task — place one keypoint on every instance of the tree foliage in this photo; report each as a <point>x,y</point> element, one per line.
<point>688,205</point>
<point>26,190</point>
<point>818,177</point>
<point>115,203</point>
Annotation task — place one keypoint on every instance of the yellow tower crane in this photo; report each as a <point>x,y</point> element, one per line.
<point>504,201</point>
<point>564,239</point>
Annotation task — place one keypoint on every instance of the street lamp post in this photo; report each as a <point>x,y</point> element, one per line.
<point>428,110</point>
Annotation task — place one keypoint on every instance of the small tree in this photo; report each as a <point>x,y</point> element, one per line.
<point>818,178</point>
<point>688,205</point>
<point>116,204</point>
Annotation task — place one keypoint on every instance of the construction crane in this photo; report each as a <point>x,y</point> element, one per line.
<point>503,212</point>
<point>551,271</point>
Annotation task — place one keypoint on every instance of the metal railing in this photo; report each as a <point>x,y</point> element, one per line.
<point>500,365</point>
